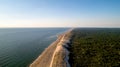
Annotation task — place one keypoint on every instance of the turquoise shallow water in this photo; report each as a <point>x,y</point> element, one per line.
<point>21,46</point>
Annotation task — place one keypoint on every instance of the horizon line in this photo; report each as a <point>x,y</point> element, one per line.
<point>60,27</point>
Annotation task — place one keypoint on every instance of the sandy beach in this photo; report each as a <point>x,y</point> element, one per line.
<point>55,55</point>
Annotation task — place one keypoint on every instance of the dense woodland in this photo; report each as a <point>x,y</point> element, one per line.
<point>95,47</point>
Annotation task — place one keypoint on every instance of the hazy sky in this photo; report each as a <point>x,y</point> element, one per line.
<point>59,13</point>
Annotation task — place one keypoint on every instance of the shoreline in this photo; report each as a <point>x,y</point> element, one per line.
<point>52,52</point>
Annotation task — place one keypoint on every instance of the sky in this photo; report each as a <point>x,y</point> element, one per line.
<point>60,13</point>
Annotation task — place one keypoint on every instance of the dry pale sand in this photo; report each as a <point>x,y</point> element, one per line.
<point>60,56</point>
<point>55,55</point>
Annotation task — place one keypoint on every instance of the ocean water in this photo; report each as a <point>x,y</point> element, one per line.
<point>19,47</point>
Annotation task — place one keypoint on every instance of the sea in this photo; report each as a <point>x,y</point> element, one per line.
<point>19,47</point>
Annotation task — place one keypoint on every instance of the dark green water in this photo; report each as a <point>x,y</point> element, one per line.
<point>21,46</point>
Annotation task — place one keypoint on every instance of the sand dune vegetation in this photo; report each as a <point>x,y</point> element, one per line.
<point>95,48</point>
